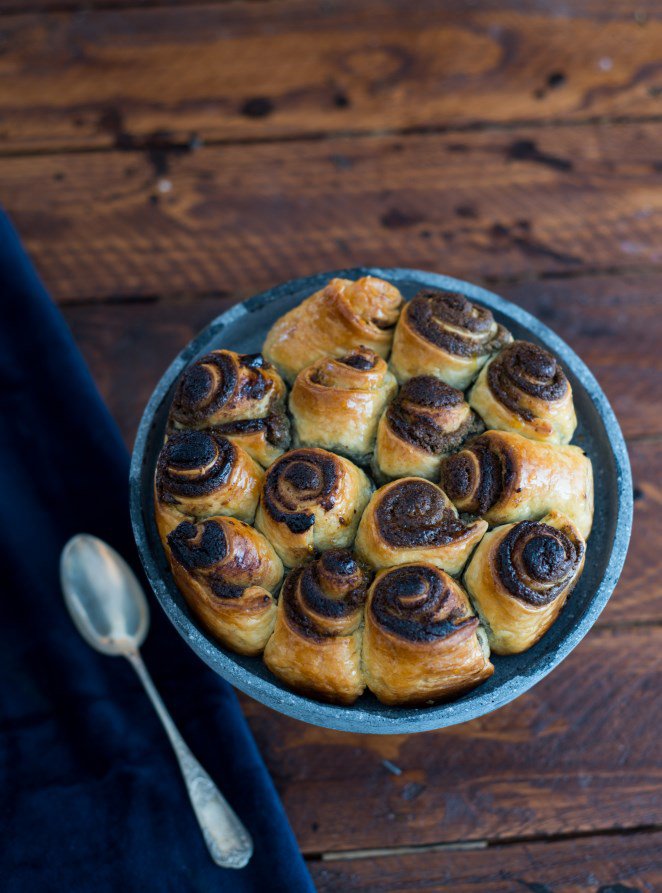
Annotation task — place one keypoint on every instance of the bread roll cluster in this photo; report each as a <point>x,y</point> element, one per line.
<point>381,500</point>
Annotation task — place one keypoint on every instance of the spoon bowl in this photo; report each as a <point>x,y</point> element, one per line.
<point>103,595</point>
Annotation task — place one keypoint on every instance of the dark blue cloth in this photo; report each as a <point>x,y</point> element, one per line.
<point>90,793</point>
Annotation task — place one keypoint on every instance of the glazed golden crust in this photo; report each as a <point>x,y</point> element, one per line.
<point>316,644</point>
<point>505,477</point>
<point>421,641</point>
<point>311,501</point>
<point>340,317</point>
<point>336,403</point>
<point>240,396</point>
<point>199,474</point>
<point>520,577</point>
<point>525,390</point>
<point>412,519</point>
<point>228,573</point>
<point>427,420</point>
<point>446,335</point>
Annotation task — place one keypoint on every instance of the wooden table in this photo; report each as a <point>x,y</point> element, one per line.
<point>165,159</point>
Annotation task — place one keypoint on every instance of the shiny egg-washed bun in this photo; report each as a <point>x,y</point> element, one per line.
<point>227,572</point>
<point>520,577</point>
<point>316,644</point>
<point>336,403</point>
<point>427,420</point>
<point>421,642</point>
<point>240,396</point>
<point>412,519</point>
<point>199,474</point>
<point>332,322</point>
<point>525,390</point>
<point>445,334</point>
<point>505,477</point>
<point>311,501</point>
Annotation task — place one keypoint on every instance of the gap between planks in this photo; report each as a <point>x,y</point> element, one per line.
<point>468,845</point>
<point>144,144</point>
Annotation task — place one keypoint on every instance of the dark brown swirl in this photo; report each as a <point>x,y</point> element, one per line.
<point>275,426</point>
<point>477,476</point>
<point>193,464</point>
<point>318,597</point>
<point>537,562</point>
<point>526,370</point>
<point>221,380</point>
<point>419,603</point>
<point>298,482</point>
<point>361,359</point>
<point>198,546</point>
<point>454,323</point>
<point>415,512</point>
<point>420,415</point>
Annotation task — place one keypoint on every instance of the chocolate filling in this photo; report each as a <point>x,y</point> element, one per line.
<point>198,546</point>
<point>184,451</point>
<point>544,555</point>
<point>415,603</point>
<point>415,513</point>
<point>313,474</point>
<point>525,369</point>
<point>430,313</point>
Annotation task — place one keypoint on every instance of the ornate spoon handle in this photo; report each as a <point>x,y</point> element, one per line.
<point>228,842</point>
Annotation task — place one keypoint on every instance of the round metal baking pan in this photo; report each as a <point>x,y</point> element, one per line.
<point>243,328</point>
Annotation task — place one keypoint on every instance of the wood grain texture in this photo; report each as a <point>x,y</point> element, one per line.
<point>578,752</point>
<point>235,219</point>
<point>116,76</point>
<point>610,864</point>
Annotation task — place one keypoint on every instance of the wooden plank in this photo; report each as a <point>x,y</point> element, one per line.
<point>610,864</point>
<point>236,219</point>
<point>116,76</point>
<point>577,753</point>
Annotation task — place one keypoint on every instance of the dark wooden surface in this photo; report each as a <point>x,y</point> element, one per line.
<point>165,159</point>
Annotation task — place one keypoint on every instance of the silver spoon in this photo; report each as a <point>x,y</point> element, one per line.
<point>109,610</point>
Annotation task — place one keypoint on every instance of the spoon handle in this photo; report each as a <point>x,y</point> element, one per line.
<point>228,842</point>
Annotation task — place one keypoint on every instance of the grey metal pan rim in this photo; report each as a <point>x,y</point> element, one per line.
<point>243,328</point>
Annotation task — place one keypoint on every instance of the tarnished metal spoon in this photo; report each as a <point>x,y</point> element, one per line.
<point>109,609</point>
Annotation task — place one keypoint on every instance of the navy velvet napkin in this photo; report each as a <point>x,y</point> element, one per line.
<point>90,793</point>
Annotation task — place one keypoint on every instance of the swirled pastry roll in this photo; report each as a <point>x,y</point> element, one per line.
<point>311,501</point>
<point>505,477</point>
<point>426,421</point>
<point>240,396</point>
<point>316,645</point>
<point>444,334</point>
<point>421,642</point>
<point>199,474</point>
<point>525,390</point>
<point>520,577</point>
<point>335,320</point>
<point>227,572</point>
<point>336,403</point>
<point>413,520</point>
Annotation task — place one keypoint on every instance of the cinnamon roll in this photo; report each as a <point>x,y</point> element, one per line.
<point>520,577</point>
<point>444,334</point>
<point>199,474</point>
<point>240,396</point>
<point>227,572</point>
<point>505,477</point>
<point>336,403</point>
<point>421,642</point>
<point>316,645</point>
<point>311,501</point>
<point>426,421</point>
<point>525,390</point>
<point>413,520</point>
<point>338,318</point>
